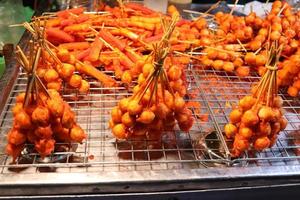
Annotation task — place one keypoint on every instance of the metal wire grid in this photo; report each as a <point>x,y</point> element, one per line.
<point>210,91</point>
<point>101,151</point>
<point>222,90</point>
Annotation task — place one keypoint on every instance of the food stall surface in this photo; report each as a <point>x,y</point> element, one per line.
<point>186,164</point>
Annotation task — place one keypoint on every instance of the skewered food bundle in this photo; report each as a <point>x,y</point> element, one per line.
<point>50,69</point>
<point>155,105</point>
<point>239,44</point>
<point>116,38</point>
<point>57,65</point>
<point>285,26</point>
<point>42,123</point>
<point>289,74</point>
<point>258,119</point>
<point>41,117</point>
<point>120,38</point>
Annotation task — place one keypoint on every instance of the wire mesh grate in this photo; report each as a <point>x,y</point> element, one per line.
<point>211,94</point>
<point>223,90</point>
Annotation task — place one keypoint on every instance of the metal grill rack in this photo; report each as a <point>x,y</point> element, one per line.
<point>101,150</point>
<point>222,90</point>
<point>211,94</point>
<point>180,161</point>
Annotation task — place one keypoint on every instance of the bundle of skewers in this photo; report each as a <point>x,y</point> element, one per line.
<point>136,44</point>
<point>258,119</point>
<point>120,39</point>
<point>239,44</point>
<point>58,66</point>
<point>41,117</point>
<point>154,106</point>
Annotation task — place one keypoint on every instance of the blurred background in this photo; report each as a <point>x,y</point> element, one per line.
<point>54,4</point>
<point>14,12</point>
<point>17,11</point>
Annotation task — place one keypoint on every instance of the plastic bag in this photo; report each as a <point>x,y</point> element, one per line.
<point>12,12</point>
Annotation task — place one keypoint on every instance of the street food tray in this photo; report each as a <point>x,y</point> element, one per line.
<point>198,160</point>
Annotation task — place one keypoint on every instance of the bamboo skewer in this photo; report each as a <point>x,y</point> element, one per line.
<point>206,12</point>
<point>33,83</point>
<point>233,8</point>
<point>187,55</point>
<point>267,88</point>
<point>197,12</point>
<point>223,50</point>
<point>213,7</point>
<point>281,10</point>
<point>243,47</point>
<point>158,75</point>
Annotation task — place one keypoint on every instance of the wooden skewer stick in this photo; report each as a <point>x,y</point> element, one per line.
<point>213,7</point>
<point>20,62</point>
<point>40,83</point>
<point>90,39</point>
<point>233,8</point>
<point>29,28</point>
<point>223,50</point>
<point>187,55</point>
<point>197,12</point>
<point>97,12</point>
<point>220,40</point>
<point>31,52</point>
<point>243,47</point>
<point>257,51</point>
<point>281,10</point>
<point>196,53</point>
<point>264,7</point>
<point>16,25</point>
<point>148,46</point>
<point>102,40</point>
<point>36,60</point>
<point>52,45</point>
<point>49,13</point>
<point>32,77</point>
<point>45,17</point>
<point>104,27</point>
<point>72,14</point>
<point>23,57</point>
<point>52,54</point>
